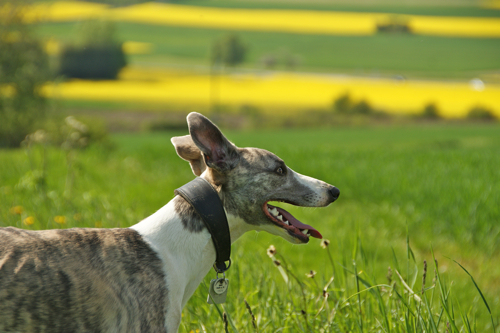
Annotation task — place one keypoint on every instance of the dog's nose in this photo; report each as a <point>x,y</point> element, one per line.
<point>334,192</point>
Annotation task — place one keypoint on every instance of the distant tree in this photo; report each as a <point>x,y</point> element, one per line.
<point>343,104</point>
<point>23,70</point>
<point>394,24</point>
<point>481,113</point>
<point>96,53</point>
<point>362,107</point>
<point>431,111</point>
<point>228,51</point>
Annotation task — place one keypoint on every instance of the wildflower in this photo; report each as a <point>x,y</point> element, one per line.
<point>271,251</point>
<point>311,274</point>
<point>98,224</point>
<point>60,219</point>
<point>324,243</point>
<point>16,210</point>
<point>77,216</point>
<point>29,220</point>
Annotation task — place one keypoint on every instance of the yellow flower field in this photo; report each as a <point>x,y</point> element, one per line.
<point>287,91</point>
<point>295,21</point>
<point>64,11</point>
<point>250,19</point>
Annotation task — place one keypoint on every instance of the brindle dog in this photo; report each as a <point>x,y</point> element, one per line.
<point>138,279</point>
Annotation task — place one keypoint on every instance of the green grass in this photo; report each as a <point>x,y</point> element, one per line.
<point>408,55</point>
<point>436,184</point>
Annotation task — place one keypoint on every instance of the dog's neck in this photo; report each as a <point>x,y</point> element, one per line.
<point>189,255</point>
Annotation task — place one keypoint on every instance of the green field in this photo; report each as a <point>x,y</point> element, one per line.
<point>435,8</point>
<point>408,55</point>
<point>438,184</point>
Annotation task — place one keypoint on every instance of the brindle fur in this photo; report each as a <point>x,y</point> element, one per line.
<point>80,280</point>
<point>189,217</point>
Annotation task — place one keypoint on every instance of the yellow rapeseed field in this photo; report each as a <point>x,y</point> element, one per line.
<point>64,11</point>
<point>250,19</point>
<point>295,21</point>
<point>287,91</point>
<point>455,26</point>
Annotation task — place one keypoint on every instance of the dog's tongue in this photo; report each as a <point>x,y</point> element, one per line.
<point>297,224</point>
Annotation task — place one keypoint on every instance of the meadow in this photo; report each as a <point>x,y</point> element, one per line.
<point>393,54</point>
<point>176,70</point>
<point>433,8</point>
<point>408,193</point>
<point>268,19</point>
<point>418,209</point>
<point>399,75</point>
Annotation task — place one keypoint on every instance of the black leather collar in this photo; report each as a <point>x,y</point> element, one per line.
<point>205,200</point>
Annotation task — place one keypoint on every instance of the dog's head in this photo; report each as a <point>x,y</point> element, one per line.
<point>249,178</point>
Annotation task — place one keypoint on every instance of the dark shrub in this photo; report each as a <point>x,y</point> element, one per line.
<point>345,105</point>
<point>95,53</point>
<point>92,62</point>
<point>481,113</point>
<point>362,108</point>
<point>430,111</point>
<point>394,24</point>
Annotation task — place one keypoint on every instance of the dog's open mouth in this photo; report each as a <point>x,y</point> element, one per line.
<point>285,220</point>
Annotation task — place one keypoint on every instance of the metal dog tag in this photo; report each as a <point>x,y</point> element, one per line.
<point>218,291</point>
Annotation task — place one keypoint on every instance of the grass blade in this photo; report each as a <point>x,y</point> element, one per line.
<point>480,293</point>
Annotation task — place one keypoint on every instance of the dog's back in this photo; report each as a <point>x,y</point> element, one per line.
<point>80,280</point>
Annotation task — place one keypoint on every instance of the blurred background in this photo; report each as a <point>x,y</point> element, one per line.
<point>395,102</point>
<point>139,65</point>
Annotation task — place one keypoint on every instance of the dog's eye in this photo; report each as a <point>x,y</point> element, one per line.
<point>280,171</point>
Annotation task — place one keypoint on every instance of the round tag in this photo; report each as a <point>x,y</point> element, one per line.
<point>220,286</point>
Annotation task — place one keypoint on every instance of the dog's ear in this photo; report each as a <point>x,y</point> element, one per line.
<point>187,150</point>
<point>219,153</point>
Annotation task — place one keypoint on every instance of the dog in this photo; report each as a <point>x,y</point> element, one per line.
<point>138,279</point>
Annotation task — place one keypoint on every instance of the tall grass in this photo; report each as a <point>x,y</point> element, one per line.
<point>346,297</point>
<point>408,194</point>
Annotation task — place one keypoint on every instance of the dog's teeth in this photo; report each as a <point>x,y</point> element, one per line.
<point>305,231</point>
<point>274,211</point>
<point>286,222</point>
<point>280,217</point>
